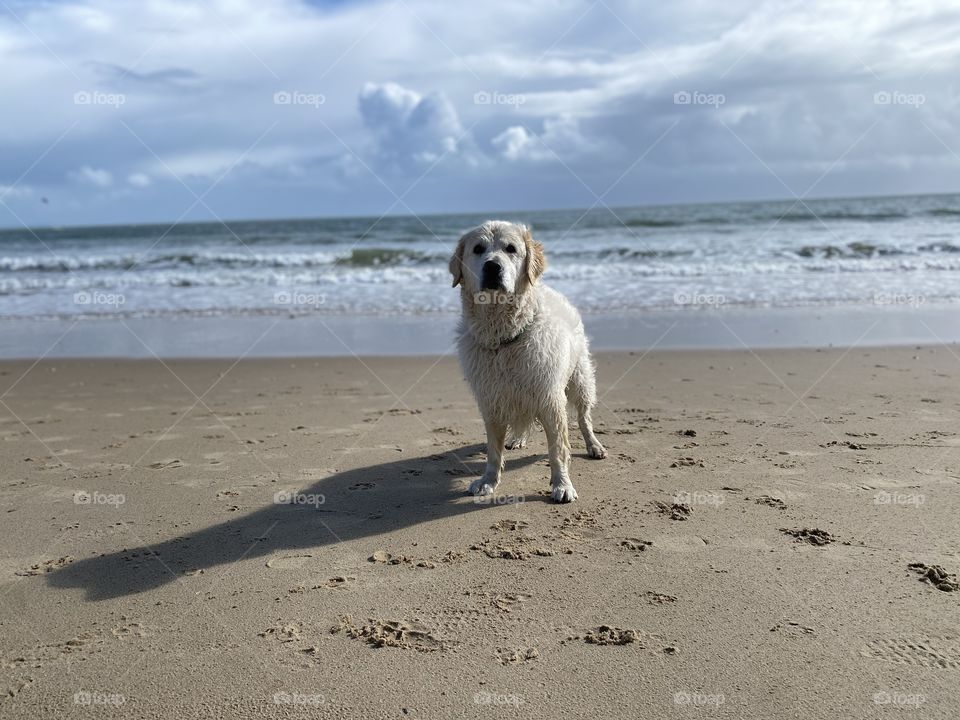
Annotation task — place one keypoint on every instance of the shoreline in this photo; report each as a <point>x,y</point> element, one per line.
<point>412,336</point>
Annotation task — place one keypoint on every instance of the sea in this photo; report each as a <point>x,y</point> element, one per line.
<point>877,252</point>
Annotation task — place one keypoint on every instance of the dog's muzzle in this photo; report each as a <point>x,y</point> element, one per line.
<point>492,276</point>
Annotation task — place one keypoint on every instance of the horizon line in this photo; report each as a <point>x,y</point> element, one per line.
<point>374,216</point>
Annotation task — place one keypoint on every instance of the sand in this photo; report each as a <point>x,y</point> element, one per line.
<point>774,535</point>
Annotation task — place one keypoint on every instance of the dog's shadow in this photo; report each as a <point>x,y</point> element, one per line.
<point>359,503</point>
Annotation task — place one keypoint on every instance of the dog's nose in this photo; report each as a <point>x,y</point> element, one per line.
<point>492,273</point>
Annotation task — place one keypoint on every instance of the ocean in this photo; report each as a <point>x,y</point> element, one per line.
<point>840,252</point>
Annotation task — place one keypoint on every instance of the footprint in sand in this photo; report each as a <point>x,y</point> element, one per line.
<point>635,544</point>
<point>675,510</point>
<point>507,602</point>
<point>792,627</point>
<point>508,525</point>
<point>928,652</point>
<point>46,566</point>
<point>362,486</point>
<point>337,581</point>
<point>288,562</point>
<point>214,458</point>
<point>936,576</point>
<point>514,656</point>
<point>170,464</point>
<point>687,462</point>
<point>284,632</point>
<point>17,687</point>
<point>812,536</point>
<point>134,629</point>
<point>390,633</point>
<point>607,635</point>
<point>81,643</point>
<point>771,502</point>
<point>382,556</point>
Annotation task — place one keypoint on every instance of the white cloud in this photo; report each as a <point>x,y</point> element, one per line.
<point>223,163</point>
<point>410,128</point>
<point>399,82</point>
<point>9,192</point>
<point>561,139</point>
<point>514,142</point>
<point>138,179</point>
<point>98,177</point>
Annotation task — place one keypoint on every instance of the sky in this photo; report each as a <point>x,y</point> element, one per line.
<point>161,110</point>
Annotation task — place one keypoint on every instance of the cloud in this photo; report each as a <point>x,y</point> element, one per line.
<point>9,192</point>
<point>410,129</point>
<point>400,82</point>
<point>223,163</point>
<point>138,179</point>
<point>98,177</point>
<point>561,138</point>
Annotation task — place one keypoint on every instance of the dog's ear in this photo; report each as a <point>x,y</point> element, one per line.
<point>536,260</point>
<point>456,262</point>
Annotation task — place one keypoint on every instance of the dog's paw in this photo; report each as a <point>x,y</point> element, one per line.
<point>515,443</point>
<point>482,486</point>
<point>563,493</point>
<point>596,451</point>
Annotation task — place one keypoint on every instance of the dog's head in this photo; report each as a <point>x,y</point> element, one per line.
<point>498,257</point>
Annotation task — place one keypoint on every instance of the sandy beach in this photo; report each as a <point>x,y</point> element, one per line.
<point>205,538</point>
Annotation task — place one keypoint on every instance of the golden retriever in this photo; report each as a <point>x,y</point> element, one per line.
<point>523,350</point>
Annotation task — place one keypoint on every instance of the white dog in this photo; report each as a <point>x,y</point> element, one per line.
<point>523,350</point>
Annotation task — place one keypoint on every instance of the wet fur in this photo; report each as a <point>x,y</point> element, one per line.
<point>524,353</point>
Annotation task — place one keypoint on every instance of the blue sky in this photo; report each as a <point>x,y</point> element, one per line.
<point>136,112</point>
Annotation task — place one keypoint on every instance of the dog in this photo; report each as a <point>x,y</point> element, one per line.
<point>523,350</point>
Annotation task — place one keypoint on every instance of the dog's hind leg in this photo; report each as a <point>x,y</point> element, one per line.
<point>594,448</point>
<point>487,483</point>
<point>554,421</point>
<point>582,392</point>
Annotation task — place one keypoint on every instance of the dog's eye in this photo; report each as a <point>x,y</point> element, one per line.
<point>511,249</point>
<point>478,249</point>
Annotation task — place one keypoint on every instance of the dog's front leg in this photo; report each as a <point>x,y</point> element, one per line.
<point>554,422</point>
<point>496,434</point>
